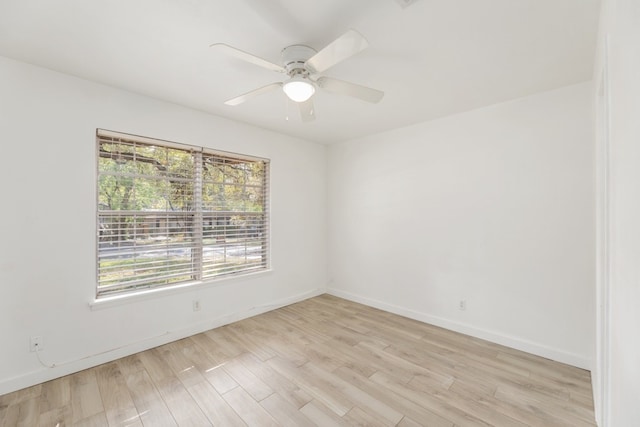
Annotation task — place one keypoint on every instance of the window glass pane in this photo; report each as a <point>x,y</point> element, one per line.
<point>170,215</point>
<point>143,250</point>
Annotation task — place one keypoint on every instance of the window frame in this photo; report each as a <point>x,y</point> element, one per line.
<point>253,220</point>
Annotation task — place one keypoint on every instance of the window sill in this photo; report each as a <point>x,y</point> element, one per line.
<point>147,294</point>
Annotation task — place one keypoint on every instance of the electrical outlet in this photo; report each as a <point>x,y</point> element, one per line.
<point>35,343</point>
<point>462,305</point>
<point>196,305</point>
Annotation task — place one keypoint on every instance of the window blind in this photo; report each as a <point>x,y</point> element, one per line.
<point>170,214</point>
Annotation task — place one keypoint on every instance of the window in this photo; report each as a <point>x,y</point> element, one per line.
<point>172,214</point>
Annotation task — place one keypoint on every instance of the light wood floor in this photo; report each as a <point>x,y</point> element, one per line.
<point>324,361</point>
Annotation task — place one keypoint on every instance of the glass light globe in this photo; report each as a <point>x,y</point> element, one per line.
<point>299,89</point>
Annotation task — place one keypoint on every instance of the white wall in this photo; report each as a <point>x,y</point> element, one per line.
<point>494,206</point>
<point>618,401</point>
<point>47,224</point>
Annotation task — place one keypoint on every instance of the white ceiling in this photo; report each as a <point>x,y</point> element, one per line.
<point>432,58</point>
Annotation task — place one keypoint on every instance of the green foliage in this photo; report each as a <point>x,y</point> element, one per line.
<point>138,177</point>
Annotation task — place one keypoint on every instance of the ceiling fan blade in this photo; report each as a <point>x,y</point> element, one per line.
<point>307,110</point>
<point>341,87</point>
<point>242,98</point>
<point>338,50</point>
<point>252,59</point>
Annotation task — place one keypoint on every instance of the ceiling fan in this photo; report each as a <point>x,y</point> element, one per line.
<point>301,64</point>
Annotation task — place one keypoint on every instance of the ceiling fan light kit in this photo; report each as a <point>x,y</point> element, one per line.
<point>300,63</point>
<point>299,89</point>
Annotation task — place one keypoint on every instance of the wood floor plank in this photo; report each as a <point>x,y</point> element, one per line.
<point>539,419</point>
<point>321,389</point>
<point>354,394</point>
<point>408,422</point>
<point>585,401</point>
<point>86,400</point>
<point>307,324</point>
<point>10,414</point>
<point>249,410</point>
<point>284,412</point>
<point>253,385</point>
<point>321,415</point>
<point>175,355</point>
<point>399,367</point>
<point>281,385</point>
<point>221,380</point>
<point>151,408</point>
<point>401,404</point>
<point>540,405</point>
<point>116,398</point>
<point>467,367</point>
<point>130,364</point>
<point>55,394</point>
<point>181,404</point>
<point>239,335</point>
<point>211,351</point>
<point>215,408</point>
<point>211,370</point>
<point>333,354</point>
<point>284,347</point>
<point>324,355</point>
<point>574,386</point>
<point>483,412</point>
<point>223,344</point>
<point>20,395</point>
<point>156,366</point>
<point>431,403</point>
<point>97,420</point>
<point>55,417</point>
<point>545,367</point>
<point>344,335</point>
<point>25,413</point>
<point>358,417</point>
<point>324,361</point>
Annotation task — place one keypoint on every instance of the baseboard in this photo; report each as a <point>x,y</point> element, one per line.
<point>89,361</point>
<point>464,328</point>
<point>69,367</point>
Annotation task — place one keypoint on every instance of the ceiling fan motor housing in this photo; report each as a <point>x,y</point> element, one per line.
<point>294,57</point>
